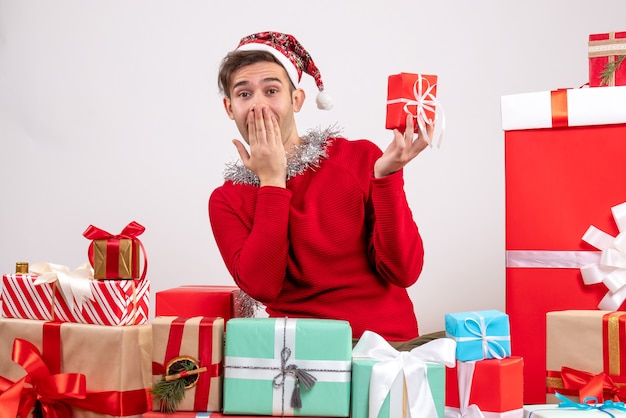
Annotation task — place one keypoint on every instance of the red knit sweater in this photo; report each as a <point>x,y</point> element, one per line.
<point>336,243</point>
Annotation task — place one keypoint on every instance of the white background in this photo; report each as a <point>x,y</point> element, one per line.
<point>109,113</point>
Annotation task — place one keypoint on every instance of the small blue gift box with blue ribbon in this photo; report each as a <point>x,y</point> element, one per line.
<point>479,335</point>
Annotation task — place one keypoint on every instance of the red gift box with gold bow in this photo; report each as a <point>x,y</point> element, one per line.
<point>74,370</point>
<point>586,355</point>
<point>117,256</point>
<point>199,342</point>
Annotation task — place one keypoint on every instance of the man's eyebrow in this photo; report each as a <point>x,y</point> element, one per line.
<point>239,84</point>
<point>265,80</point>
<point>272,79</point>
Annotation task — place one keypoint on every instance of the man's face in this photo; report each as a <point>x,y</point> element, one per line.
<point>264,85</point>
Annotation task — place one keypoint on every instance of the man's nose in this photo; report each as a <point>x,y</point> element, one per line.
<point>259,100</point>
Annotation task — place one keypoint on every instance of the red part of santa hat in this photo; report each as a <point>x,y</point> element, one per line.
<point>292,56</point>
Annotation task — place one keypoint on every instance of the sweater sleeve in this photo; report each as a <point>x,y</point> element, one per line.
<point>396,247</point>
<point>254,250</point>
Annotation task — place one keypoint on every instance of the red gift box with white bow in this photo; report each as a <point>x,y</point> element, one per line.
<point>564,172</point>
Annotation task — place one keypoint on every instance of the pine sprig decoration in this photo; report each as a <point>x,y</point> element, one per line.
<point>609,69</point>
<point>181,373</point>
<point>169,394</point>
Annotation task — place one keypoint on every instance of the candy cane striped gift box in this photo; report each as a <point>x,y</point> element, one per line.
<point>102,302</point>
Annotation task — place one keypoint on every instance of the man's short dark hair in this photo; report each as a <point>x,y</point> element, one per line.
<point>235,60</point>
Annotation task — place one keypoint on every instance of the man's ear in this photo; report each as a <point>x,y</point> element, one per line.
<point>228,108</point>
<point>297,98</point>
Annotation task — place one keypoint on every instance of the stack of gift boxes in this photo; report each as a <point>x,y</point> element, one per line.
<point>185,363</point>
<point>565,182</point>
<point>250,366</point>
<point>288,366</point>
<point>78,339</point>
<point>197,358</point>
<point>486,379</point>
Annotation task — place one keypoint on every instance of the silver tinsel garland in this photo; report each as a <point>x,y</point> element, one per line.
<point>246,305</point>
<point>301,157</point>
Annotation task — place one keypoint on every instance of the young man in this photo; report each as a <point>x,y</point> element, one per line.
<point>313,225</point>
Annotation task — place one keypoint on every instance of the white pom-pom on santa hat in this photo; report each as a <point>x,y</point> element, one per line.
<point>324,101</point>
<point>292,56</point>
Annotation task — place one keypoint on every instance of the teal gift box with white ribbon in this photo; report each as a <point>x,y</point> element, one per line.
<point>387,383</point>
<point>287,367</point>
<point>479,335</point>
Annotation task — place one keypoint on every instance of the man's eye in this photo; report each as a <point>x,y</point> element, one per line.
<point>244,94</point>
<point>272,91</point>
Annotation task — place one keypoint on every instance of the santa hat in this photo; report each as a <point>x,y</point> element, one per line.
<point>292,56</point>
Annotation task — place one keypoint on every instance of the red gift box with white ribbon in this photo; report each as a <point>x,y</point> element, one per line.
<point>415,95</point>
<point>494,386</point>
<point>564,171</point>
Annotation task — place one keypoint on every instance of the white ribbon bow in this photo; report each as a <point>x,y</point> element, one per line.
<point>413,366</point>
<point>465,373</point>
<point>611,269</point>
<point>75,285</point>
<point>424,100</point>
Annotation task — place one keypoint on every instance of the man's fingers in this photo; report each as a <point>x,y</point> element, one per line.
<point>275,129</point>
<point>268,125</point>
<point>410,128</point>
<point>260,124</point>
<point>251,124</point>
<point>241,149</point>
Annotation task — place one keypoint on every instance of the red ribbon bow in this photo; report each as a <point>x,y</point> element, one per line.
<point>592,385</point>
<point>60,391</point>
<point>53,391</point>
<point>131,231</point>
<point>10,393</point>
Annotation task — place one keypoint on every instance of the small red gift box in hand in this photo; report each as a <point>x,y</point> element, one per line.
<point>415,94</point>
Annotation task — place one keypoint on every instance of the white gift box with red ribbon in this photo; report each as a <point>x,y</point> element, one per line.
<point>563,108</point>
